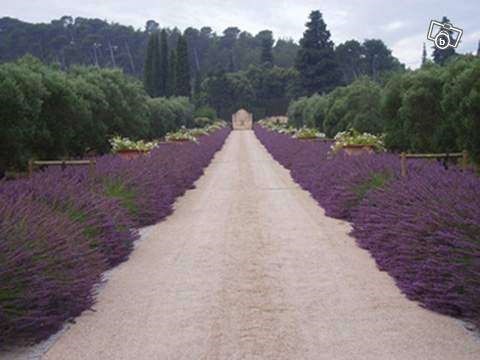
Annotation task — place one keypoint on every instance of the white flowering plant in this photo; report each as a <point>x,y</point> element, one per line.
<point>119,143</point>
<point>308,133</point>
<point>354,137</point>
<point>182,134</point>
<point>197,132</point>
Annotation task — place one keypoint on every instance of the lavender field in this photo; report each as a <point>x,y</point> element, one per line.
<point>422,229</point>
<point>61,229</point>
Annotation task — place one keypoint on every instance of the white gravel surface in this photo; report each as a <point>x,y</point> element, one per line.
<point>249,267</point>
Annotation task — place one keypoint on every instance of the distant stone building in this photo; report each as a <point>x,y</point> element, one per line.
<point>242,120</point>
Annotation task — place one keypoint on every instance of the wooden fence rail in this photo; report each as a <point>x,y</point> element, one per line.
<point>63,163</point>
<point>405,156</point>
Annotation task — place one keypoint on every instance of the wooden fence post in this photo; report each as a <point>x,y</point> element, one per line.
<point>464,160</point>
<point>91,168</point>
<point>403,164</point>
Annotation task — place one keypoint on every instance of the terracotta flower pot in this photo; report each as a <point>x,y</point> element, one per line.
<point>358,149</point>
<point>131,154</point>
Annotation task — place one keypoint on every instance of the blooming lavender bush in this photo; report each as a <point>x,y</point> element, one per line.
<point>425,231</point>
<point>61,229</point>
<point>47,269</point>
<point>422,229</point>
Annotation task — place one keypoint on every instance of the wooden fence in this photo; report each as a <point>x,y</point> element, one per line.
<point>63,163</point>
<point>404,156</point>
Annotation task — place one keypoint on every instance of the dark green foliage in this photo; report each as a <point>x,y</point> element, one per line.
<point>355,106</point>
<point>183,86</point>
<point>424,54</point>
<point>154,76</point>
<point>266,57</point>
<point>148,72</point>
<point>263,90</point>
<point>433,109</point>
<point>461,104</point>
<point>316,63</point>
<point>168,115</point>
<point>372,58</point>
<point>50,114</point>
<point>440,56</point>
<point>163,73</point>
<point>172,74</point>
<point>205,112</point>
<point>68,41</point>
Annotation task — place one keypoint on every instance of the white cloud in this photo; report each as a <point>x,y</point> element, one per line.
<point>409,49</point>
<point>394,25</point>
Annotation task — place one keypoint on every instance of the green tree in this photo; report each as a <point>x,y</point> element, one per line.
<point>315,60</point>
<point>349,57</point>
<point>153,66</point>
<point>377,59</point>
<point>424,54</point>
<point>172,74</point>
<point>266,56</point>
<point>183,84</point>
<point>461,104</point>
<point>148,79</point>
<point>163,72</point>
<point>355,106</point>
<point>441,56</point>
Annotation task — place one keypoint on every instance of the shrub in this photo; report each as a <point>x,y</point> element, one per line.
<point>205,112</point>
<point>202,121</point>
<point>423,230</point>
<point>47,270</point>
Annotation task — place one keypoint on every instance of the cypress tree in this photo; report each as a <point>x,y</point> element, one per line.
<point>172,71</point>
<point>315,61</point>
<point>183,85</point>
<point>152,71</point>
<point>148,69</point>
<point>266,56</point>
<point>424,55</point>
<point>163,73</point>
<point>440,56</point>
<point>157,66</point>
<point>478,49</point>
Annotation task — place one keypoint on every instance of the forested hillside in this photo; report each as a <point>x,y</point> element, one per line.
<point>84,41</point>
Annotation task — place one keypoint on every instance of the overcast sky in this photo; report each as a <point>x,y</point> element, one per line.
<point>402,24</point>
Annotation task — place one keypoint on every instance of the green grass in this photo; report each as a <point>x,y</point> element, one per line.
<point>118,190</point>
<point>377,180</point>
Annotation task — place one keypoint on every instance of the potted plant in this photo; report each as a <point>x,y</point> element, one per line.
<point>129,149</point>
<point>181,135</point>
<point>355,143</point>
<point>197,132</point>
<point>305,133</point>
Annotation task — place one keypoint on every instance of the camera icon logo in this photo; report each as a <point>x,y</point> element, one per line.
<point>444,35</point>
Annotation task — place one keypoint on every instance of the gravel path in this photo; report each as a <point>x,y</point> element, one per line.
<point>249,267</point>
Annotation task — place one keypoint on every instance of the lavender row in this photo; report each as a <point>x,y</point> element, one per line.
<point>423,229</point>
<point>60,230</point>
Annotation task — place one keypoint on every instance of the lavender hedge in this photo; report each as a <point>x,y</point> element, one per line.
<point>424,229</point>
<point>60,230</point>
